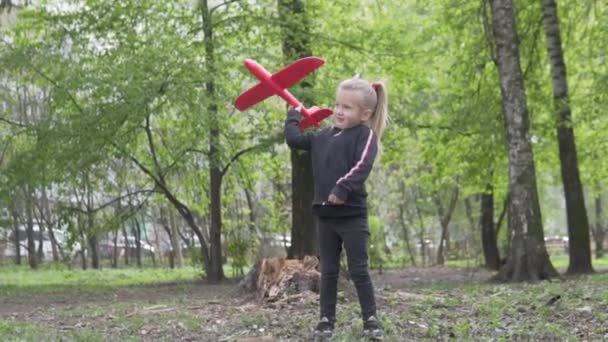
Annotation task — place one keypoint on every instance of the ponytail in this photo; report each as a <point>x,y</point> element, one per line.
<point>374,97</point>
<point>379,118</point>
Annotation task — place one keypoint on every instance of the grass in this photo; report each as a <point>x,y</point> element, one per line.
<point>58,275</point>
<point>560,261</point>
<point>573,309</point>
<point>50,278</point>
<point>20,331</point>
<point>491,312</point>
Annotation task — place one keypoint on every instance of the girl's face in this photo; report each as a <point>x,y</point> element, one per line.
<point>348,111</point>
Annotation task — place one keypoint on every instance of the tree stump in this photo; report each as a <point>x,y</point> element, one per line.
<point>272,279</point>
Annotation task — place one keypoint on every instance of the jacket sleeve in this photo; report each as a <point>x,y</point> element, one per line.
<point>366,151</point>
<point>293,136</point>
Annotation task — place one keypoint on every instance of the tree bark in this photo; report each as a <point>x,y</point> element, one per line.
<point>599,233</point>
<point>578,222</point>
<point>83,242</point>
<point>444,219</point>
<point>126,247</point>
<point>421,234</point>
<point>45,213</point>
<point>16,231</point>
<point>115,250</point>
<point>164,222</point>
<point>137,235</point>
<point>295,28</point>
<point>146,238</point>
<point>32,256</point>
<point>93,241</point>
<point>527,259</point>
<point>406,233</point>
<point>91,232</point>
<point>215,272</point>
<point>488,233</point>
<point>41,227</point>
<point>178,261</point>
<point>252,217</point>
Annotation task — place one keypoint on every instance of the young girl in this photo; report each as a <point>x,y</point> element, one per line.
<point>342,158</point>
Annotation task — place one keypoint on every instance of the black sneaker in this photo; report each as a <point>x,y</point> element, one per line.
<point>372,328</point>
<point>325,329</point>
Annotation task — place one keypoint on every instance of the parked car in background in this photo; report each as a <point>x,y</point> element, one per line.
<point>9,248</point>
<point>106,247</point>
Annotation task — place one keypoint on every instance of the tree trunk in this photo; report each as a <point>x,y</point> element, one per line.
<point>488,234</point>
<point>599,232</point>
<point>58,253</point>
<point>126,247</point>
<point>276,279</point>
<point>215,272</point>
<point>444,219</point>
<point>423,251</point>
<point>177,249</point>
<point>16,232</point>
<point>45,213</point>
<point>39,219</point>
<point>252,217</point>
<point>91,232</point>
<point>115,250</point>
<point>471,244</point>
<point>303,228</point>
<point>527,259</point>
<point>578,223</point>
<point>146,238</point>
<point>165,225</point>
<point>295,28</point>
<point>137,235</point>
<point>32,256</point>
<point>93,243</point>
<point>83,242</point>
<point>405,230</point>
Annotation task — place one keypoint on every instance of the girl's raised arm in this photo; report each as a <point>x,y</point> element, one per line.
<point>293,136</point>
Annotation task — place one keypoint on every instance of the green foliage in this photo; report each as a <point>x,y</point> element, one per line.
<point>57,275</point>
<point>80,84</point>
<point>377,244</point>
<point>238,247</point>
<point>194,254</point>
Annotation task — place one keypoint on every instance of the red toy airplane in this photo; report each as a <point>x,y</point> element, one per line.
<point>277,84</point>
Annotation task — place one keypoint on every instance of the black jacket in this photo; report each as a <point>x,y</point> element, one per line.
<point>341,162</point>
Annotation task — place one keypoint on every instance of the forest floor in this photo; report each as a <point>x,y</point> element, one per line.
<point>414,304</point>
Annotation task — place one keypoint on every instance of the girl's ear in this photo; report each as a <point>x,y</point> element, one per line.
<point>367,114</point>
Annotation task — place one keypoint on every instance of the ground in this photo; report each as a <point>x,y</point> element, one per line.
<point>414,303</point>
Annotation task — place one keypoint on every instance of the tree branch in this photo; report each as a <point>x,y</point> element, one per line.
<point>153,149</point>
<point>13,123</point>
<point>264,143</point>
<point>107,204</point>
<point>225,3</point>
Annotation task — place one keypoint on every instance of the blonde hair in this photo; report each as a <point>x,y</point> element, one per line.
<point>374,97</point>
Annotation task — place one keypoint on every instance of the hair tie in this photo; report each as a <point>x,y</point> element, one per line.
<point>375,86</point>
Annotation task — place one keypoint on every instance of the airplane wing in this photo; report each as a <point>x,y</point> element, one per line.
<point>252,96</point>
<point>285,78</point>
<point>296,71</point>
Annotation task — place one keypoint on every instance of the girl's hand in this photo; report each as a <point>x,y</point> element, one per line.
<point>297,109</point>
<point>333,199</point>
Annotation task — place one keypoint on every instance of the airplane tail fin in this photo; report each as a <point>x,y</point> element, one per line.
<point>316,115</point>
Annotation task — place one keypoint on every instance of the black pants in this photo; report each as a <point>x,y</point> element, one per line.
<point>353,232</point>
